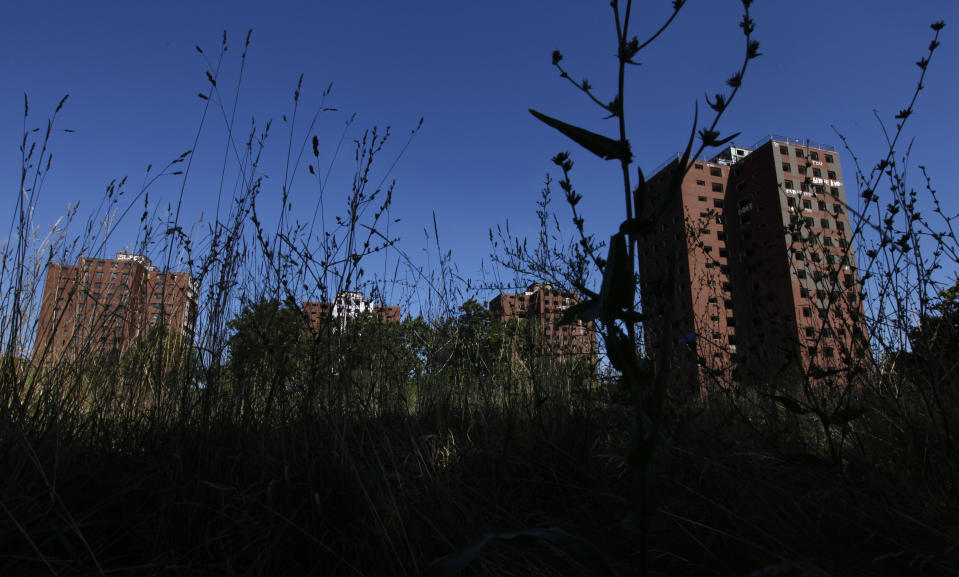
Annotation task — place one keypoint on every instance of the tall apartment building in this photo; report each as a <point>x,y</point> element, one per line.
<point>765,289</point>
<point>102,305</point>
<point>545,305</point>
<point>345,306</point>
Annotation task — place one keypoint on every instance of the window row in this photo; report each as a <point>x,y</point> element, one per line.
<point>813,154</point>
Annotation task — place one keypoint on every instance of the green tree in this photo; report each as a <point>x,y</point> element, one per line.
<point>267,343</point>
<point>918,397</point>
<point>935,339</point>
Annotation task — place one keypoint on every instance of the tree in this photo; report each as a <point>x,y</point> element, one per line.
<point>935,339</point>
<point>267,341</point>
<point>919,395</point>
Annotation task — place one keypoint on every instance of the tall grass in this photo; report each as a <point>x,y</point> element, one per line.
<point>270,445</point>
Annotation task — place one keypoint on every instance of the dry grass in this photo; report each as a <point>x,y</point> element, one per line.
<point>378,449</point>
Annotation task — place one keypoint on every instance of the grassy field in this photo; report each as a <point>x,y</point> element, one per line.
<point>448,443</point>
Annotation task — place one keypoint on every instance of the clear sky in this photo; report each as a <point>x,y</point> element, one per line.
<point>470,70</point>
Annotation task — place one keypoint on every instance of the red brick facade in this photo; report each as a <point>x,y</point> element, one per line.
<point>546,305</point>
<point>102,305</point>
<point>765,287</point>
<point>348,305</point>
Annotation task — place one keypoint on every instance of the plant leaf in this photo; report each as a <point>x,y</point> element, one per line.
<point>602,146</point>
<point>618,288</point>
<point>587,310</point>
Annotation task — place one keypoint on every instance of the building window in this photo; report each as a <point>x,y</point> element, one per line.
<point>840,226</point>
<point>804,292</point>
<point>699,166</point>
<point>814,155</point>
<point>801,273</point>
<point>834,191</point>
<point>717,187</point>
<point>789,184</point>
<point>832,174</point>
<point>787,167</point>
<point>824,222</point>
<point>816,172</point>
<point>822,205</point>
<point>807,204</point>
<point>718,202</point>
<point>701,183</point>
<point>801,169</point>
<point>783,149</point>
<point>799,153</point>
<point>715,171</point>
<point>806,312</point>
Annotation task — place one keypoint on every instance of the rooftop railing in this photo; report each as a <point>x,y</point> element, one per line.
<point>794,141</point>
<point>804,142</point>
<point>673,158</point>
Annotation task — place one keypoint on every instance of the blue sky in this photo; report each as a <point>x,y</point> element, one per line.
<point>470,70</point>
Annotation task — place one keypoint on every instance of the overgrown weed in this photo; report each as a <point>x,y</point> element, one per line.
<point>271,445</point>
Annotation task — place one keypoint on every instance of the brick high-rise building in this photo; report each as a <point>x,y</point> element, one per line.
<point>765,289</point>
<point>347,305</point>
<point>101,305</point>
<point>546,305</point>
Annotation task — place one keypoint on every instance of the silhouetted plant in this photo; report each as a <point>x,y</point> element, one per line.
<point>614,304</point>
